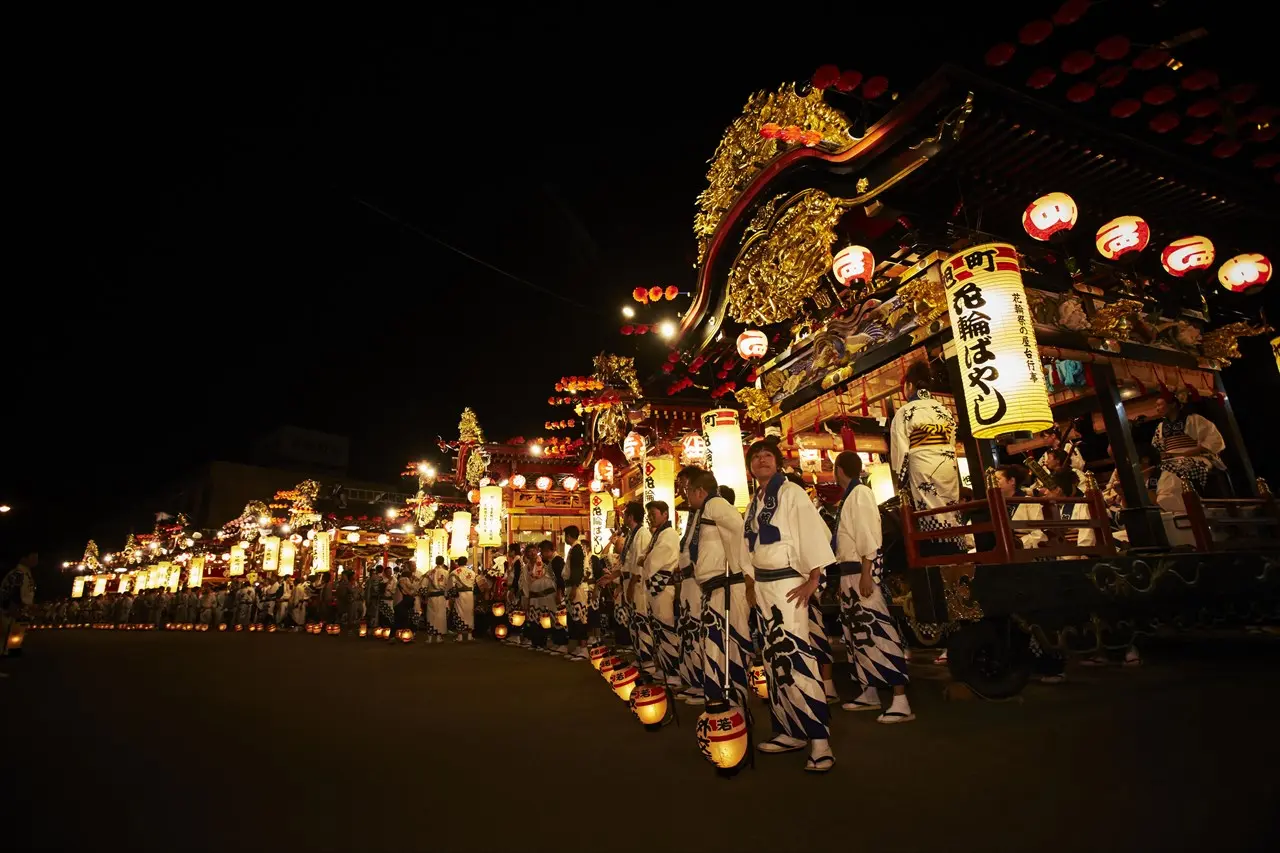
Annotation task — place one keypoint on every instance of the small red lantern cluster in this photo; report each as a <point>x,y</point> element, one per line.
<point>790,134</point>
<point>642,329</point>
<point>569,424</point>
<point>831,77</point>
<point>579,383</point>
<point>645,295</point>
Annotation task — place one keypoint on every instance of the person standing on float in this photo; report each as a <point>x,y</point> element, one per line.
<point>871,636</point>
<point>788,545</point>
<point>689,603</point>
<point>660,564</point>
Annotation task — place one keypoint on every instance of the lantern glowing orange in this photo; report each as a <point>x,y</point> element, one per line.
<point>722,734</point>
<point>649,703</point>
<point>632,445</point>
<point>1245,273</point>
<point>544,621</point>
<point>499,609</point>
<point>608,665</point>
<point>14,639</point>
<point>1187,254</point>
<point>1049,215</point>
<point>271,629</point>
<point>562,618</point>
<point>1122,235</point>
<point>570,483</point>
<point>604,471</point>
<point>853,263</point>
<point>473,496</point>
<point>222,626</point>
<point>404,635</point>
<point>543,483</point>
<point>759,683</point>
<point>516,618</point>
<point>753,343</point>
<point>500,631</point>
<point>364,630</point>
<point>598,654</point>
<point>623,681</point>
<point>517,482</point>
<point>333,630</point>
<point>239,627</point>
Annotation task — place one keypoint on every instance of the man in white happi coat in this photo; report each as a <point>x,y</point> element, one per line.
<point>634,593</point>
<point>689,603</point>
<point>435,584</point>
<point>658,576</point>
<point>462,581</point>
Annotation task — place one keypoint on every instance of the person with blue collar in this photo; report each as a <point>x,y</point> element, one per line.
<point>661,562</point>
<point>689,601</point>
<point>788,545</point>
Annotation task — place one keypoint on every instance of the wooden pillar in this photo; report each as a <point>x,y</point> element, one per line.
<point>1141,519</point>
<point>1244,480</point>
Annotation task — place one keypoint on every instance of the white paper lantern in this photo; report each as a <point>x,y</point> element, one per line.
<point>725,457</point>
<point>270,553</point>
<point>237,561</point>
<point>489,525</point>
<point>461,534</point>
<point>77,588</point>
<point>660,481</point>
<point>195,572</point>
<point>601,506</point>
<point>320,551</point>
<point>288,556</point>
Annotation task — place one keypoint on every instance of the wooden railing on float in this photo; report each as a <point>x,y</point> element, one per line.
<point>1063,533</point>
<point>1261,529</point>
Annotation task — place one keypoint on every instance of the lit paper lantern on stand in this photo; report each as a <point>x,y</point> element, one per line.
<point>1003,384</point>
<point>725,458</point>
<point>489,527</point>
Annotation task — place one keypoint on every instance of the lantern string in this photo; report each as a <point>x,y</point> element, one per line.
<point>421,233</point>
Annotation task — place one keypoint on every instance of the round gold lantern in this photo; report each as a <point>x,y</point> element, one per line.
<point>239,627</point>
<point>320,626</point>
<point>271,627</point>
<point>598,654</point>
<point>499,609</point>
<point>222,626</point>
<point>404,635</point>
<point>650,702</point>
<point>608,664</point>
<point>516,618</point>
<point>334,629</point>
<point>562,618</point>
<point>364,629</point>
<point>623,681</point>
<point>759,683</point>
<point>187,626</point>
<point>500,631</point>
<point>545,621</point>
<point>202,627</point>
<point>722,734</point>
<point>382,633</point>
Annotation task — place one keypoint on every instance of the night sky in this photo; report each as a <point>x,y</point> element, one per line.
<point>249,235</point>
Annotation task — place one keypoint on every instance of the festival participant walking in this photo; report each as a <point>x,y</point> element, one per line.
<point>462,581</point>
<point>434,586</point>
<point>576,594</point>
<point>788,545</point>
<point>17,595</point>
<point>689,603</point>
<point>660,565</point>
<point>634,592</point>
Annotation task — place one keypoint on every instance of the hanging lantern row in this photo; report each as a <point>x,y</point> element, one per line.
<point>1056,214</point>
<point>579,383</point>
<point>557,401</point>
<point>645,295</point>
<point>569,424</point>
<point>831,77</point>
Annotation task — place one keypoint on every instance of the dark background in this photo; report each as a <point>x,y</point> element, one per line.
<point>207,261</point>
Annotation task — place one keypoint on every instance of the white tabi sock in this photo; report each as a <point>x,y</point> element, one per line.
<point>869,696</point>
<point>900,704</point>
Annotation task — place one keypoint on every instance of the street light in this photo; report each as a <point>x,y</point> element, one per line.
<point>535,449</point>
<point>628,311</point>
<point>5,507</point>
<point>667,330</point>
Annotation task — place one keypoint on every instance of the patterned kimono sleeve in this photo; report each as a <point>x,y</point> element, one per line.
<point>898,445</point>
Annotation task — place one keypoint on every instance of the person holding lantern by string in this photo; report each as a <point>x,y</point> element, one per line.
<point>660,564</point>
<point>433,588</point>
<point>540,600</point>
<point>462,581</point>
<point>788,545</point>
<point>689,615</point>
<point>635,594</point>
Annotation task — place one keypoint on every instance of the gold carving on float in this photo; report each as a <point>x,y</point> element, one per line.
<point>1223,343</point>
<point>743,152</point>
<point>925,297</point>
<point>617,371</point>
<point>779,268</point>
<point>760,220</point>
<point>957,590</point>
<point>1116,320</point>
<point>759,408</point>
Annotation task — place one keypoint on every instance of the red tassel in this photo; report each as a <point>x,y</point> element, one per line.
<point>866,412</point>
<point>848,440</point>
<point>1088,375</point>
<point>791,436</point>
<point>1193,392</point>
<point>1142,389</point>
<point>1054,378</point>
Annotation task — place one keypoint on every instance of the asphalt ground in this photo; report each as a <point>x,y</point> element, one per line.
<point>187,741</point>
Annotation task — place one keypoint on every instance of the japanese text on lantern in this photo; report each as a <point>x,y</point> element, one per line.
<point>660,481</point>
<point>270,553</point>
<point>77,588</point>
<point>320,551</point>
<point>601,506</point>
<point>237,561</point>
<point>195,573</point>
<point>489,526</point>
<point>995,342</point>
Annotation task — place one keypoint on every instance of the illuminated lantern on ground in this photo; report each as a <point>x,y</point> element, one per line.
<point>239,627</point>
<point>13,640</point>
<point>489,527</point>
<point>649,702</point>
<point>518,481</point>
<point>320,551</point>
<point>333,630</point>
<point>404,635</point>
<point>660,481</point>
<point>222,626</point>
<point>499,609</point>
<point>759,682</point>
<point>544,621</point>
<point>543,483</point>
<point>562,618</point>
<point>1245,273</point>
<point>271,628</point>
<point>204,626</point>
<point>604,471</point>
<point>516,618</point>
<point>623,681</point>
<point>1186,255</point>
<point>853,263</point>
<point>753,343</point>
<point>382,633</point>
<point>725,458</point>
<point>608,664</point>
<point>722,734</point>
<point>1003,383</point>
<point>597,655</point>
<point>270,553</point>
<point>632,446</point>
<point>693,449</point>
<point>500,631</point>
<point>1121,236</point>
<point>1049,215</point>
<point>237,561</point>
<point>461,534</point>
<point>364,629</point>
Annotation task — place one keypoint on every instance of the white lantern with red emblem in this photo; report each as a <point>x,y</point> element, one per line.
<point>1048,215</point>
<point>753,343</point>
<point>604,471</point>
<point>1245,273</point>
<point>693,449</point>
<point>632,446</point>
<point>1121,236</point>
<point>543,483</point>
<point>1187,255</point>
<point>853,263</point>
<point>518,481</point>
<point>570,483</point>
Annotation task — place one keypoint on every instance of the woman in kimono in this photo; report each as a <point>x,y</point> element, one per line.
<point>434,585</point>
<point>716,551</point>
<point>788,545</point>
<point>871,636</point>
<point>1193,443</point>
<point>922,446</point>
<point>462,581</point>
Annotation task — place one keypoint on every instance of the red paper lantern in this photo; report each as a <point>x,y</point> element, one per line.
<point>1113,49</point>
<point>1266,161</point>
<point>672,292</point>
<point>853,263</point>
<point>1070,12</point>
<point>1241,92</point>
<point>655,293</point>
<point>875,87</point>
<point>1113,76</point>
<point>1000,54</point>
<point>1151,58</point>
<point>848,81</point>
<point>1187,254</point>
<point>1126,107</point>
<point>1041,77</point>
<point>1035,32</point>
<point>1048,215</point>
<point>1164,122</point>
<point>640,295</point>
<point>1158,95</point>
<point>1081,92</point>
<point>627,330</point>
<point>1203,108</point>
<point>825,76</point>
<point>1122,235</point>
<point>1245,273</point>
<point>1200,80</point>
<point>1077,62</point>
<point>1199,136</point>
<point>753,343</point>
<point>1226,148</point>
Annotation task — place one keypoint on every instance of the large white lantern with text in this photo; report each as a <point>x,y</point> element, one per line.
<point>461,534</point>
<point>489,527</point>
<point>99,586</point>
<point>601,506</point>
<point>270,553</point>
<point>660,481</point>
<point>320,555</point>
<point>195,572</point>
<point>422,552</point>
<point>439,544</point>
<point>725,458</point>
<point>237,561</point>
<point>77,588</point>
<point>1002,382</point>
<point>288,557</point>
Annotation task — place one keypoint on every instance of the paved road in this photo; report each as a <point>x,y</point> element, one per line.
<point>146,741</point>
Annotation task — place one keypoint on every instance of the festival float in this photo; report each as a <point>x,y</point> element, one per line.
<point>1037,235</point>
